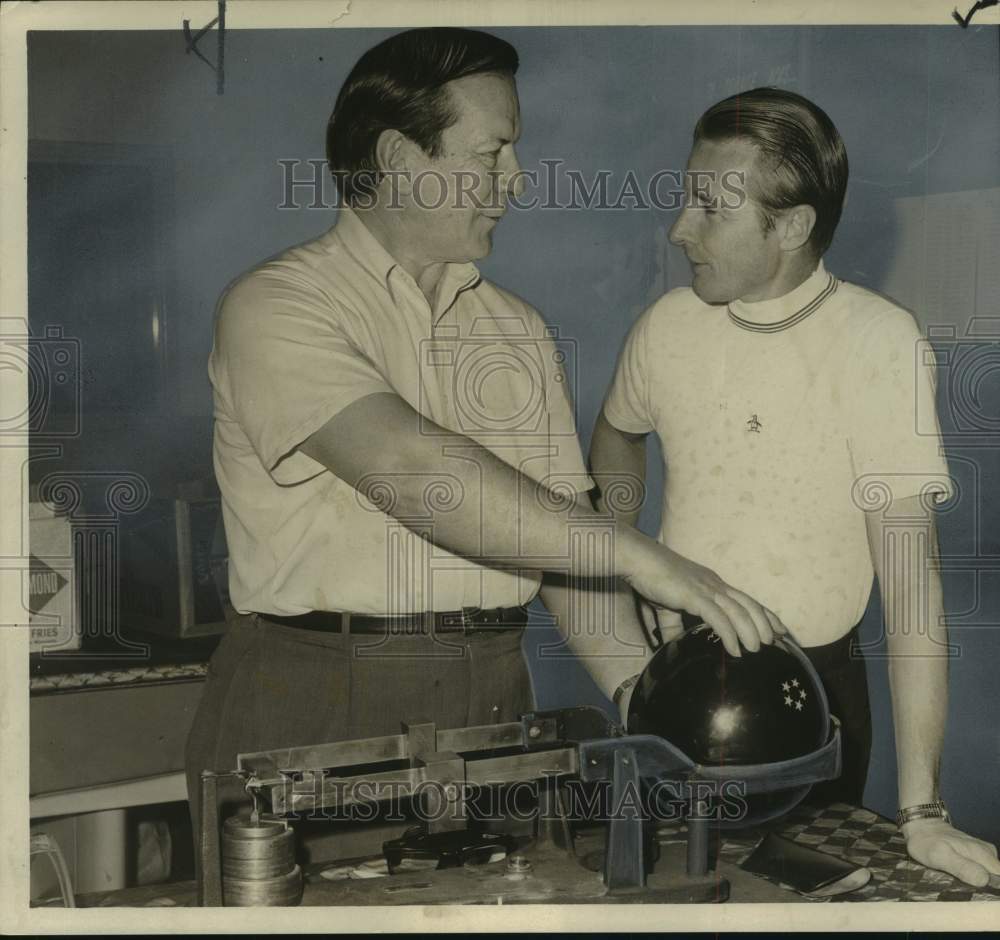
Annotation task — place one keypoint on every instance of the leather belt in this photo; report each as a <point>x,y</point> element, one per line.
<point>466,620</point>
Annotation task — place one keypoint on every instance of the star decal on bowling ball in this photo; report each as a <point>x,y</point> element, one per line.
<point>794,694</point>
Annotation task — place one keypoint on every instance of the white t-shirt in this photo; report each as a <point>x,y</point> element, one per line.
<point>322,325</point>
<point>781,422</point>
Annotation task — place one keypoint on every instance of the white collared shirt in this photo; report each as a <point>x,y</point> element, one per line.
<point>325,324</point>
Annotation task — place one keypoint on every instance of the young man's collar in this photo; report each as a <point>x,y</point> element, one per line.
<point>782,313</point>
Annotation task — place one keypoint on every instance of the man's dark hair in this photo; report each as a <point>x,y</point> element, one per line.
<point>798,142</point>
<point>399,85</point>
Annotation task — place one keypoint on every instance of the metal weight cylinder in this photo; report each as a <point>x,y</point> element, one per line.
<point>258,863</point>
<point>282,891</point>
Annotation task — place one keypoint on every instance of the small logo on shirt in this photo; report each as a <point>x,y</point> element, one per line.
<point>754,425</point>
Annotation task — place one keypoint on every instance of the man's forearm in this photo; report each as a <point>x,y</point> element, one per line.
<point>600,626</point>
<point>465,499</point>
<point>918,679</point>
<point>916,639</point>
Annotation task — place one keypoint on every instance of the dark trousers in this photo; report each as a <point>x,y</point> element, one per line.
<point>272,686</point>
<point>841,667</point>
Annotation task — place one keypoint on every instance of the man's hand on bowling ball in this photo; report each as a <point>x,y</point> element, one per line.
<point>676,582</point>
<point>937,844</point>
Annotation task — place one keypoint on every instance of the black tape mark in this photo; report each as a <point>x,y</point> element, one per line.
<point>191,41</point>
<point>963,21</point>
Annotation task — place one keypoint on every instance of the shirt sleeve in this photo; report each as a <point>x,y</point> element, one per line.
<point>626,405</point>
<point>895,437</point>
<point>283,367</point>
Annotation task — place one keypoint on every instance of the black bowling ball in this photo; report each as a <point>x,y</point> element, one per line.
<point>719,709</point>
<point>759,721</point>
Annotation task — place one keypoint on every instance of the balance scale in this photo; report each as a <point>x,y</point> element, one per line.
<point>252,864</point>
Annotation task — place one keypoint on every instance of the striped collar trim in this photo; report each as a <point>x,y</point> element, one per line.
<point>791,320</point>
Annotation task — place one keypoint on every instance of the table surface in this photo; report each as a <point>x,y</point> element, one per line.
<point>870,841</point>
<point>857,835</point>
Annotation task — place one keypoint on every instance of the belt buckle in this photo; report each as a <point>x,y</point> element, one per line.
<point>452,621</point>
<point>468,619</point>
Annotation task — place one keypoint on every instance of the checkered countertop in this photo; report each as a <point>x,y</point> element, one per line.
<point>867,840</point>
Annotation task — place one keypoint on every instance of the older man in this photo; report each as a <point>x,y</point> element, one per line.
<point>784,400</point>
<point>395,446</point>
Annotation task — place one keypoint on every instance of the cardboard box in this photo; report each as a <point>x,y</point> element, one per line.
<point>51,583</point>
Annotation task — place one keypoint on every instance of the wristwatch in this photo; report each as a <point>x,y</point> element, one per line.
<point>623,688</point>
<point>935,810</point>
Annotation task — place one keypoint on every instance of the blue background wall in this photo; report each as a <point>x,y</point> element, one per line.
<point>917,108</point>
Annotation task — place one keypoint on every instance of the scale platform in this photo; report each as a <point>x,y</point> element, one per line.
<point>555,878</point>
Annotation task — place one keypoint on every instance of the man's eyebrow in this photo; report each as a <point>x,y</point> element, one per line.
<point>501,139</point>
<point>493,139</point>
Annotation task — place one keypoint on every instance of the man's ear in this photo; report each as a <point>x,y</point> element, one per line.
<point>795,227</point>
<point>391,152</point>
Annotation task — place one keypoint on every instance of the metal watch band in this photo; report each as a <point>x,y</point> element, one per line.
<point>935,810</point>
<point>624,687</point>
